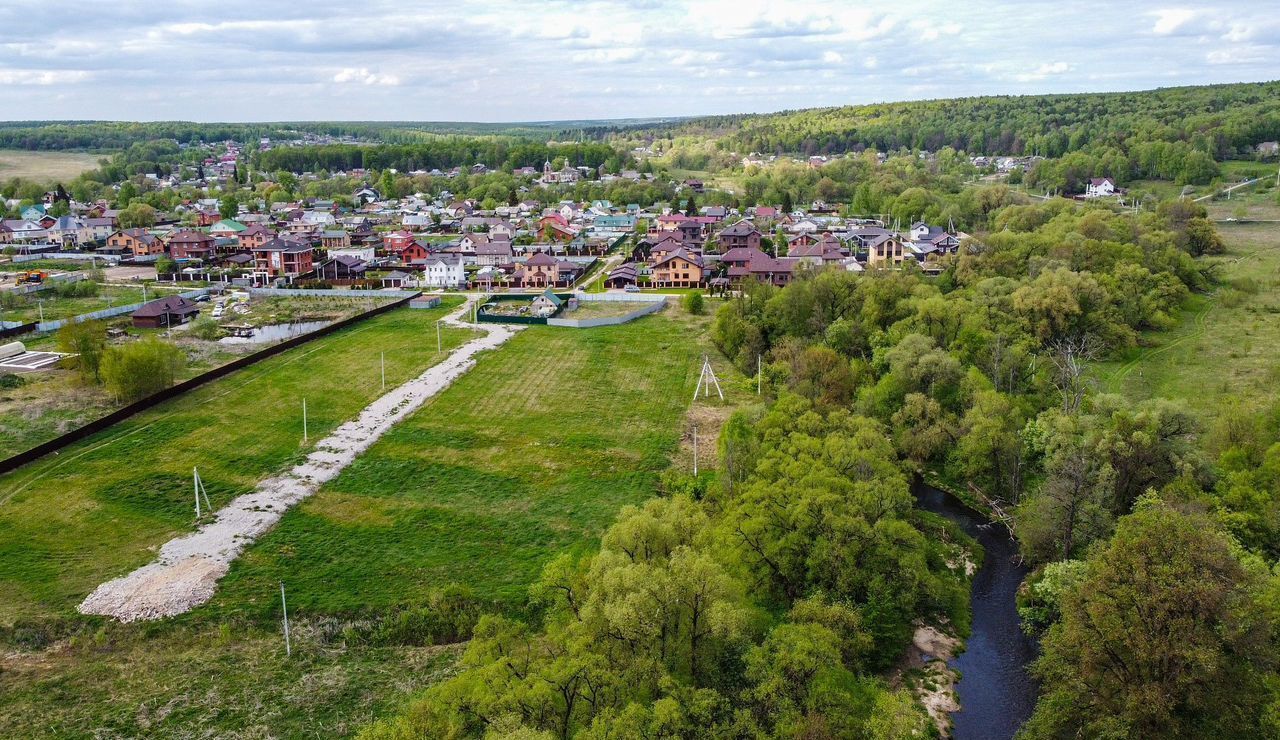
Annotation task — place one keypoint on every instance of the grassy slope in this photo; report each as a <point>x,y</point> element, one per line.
<point>585,420</point>
<point>1226,348</point>
<point>98,509</point>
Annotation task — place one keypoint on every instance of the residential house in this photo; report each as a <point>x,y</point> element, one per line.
<point>341,270</point>
<point>227,227</point>
<point>494,253</point>
<point>191,245</point>
<point>283,258</point>
<point>1100,187</point>
<point>742,235</point>
<point>135,242</point>
<point>443,271</point>
<point>254,236</point>
<point>547,304</point>
<point>679,269</point>
<point>885,251</point>
<point>335,239</point>
<point>622,276</point>
<point>165,312</point>
<point>539,271</point>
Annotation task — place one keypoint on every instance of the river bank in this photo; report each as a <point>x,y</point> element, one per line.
<point>995,692</point>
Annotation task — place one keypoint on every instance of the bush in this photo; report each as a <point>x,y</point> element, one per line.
<point>10,380</point>
<point>77,289</point>
<point>694,304</point>
<point>140,369</point>
<point>449,615</point>
<point>205,328</point>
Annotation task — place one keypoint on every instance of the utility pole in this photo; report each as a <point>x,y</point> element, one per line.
<point>284,609</point>
<point>759,374</point>
<point>439,345</point>
<point>40,306</point>
<point>384,372</point>
<point>304,420</point>
<point>695,452</point>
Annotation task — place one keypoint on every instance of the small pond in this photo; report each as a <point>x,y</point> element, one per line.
<point>276,332</point>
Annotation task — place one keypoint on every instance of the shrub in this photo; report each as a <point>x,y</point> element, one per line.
<point>205,328</point>
<point>694,304</point>
<point>140,369</point>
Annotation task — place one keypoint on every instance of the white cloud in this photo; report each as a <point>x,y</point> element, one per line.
<point>501,61</point>
<point>42,77</point>
<point>365,77</point>
<point>1169,20</point>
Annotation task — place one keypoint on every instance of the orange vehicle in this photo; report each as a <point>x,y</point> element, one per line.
<point>32,276</point>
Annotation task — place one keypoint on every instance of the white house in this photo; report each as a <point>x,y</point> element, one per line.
<point>318,218</point>
<point>1100,187</point>
<point>443,271</point>
<point>364,254</point>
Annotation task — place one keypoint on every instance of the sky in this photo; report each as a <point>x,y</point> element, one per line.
<point>499,60</point>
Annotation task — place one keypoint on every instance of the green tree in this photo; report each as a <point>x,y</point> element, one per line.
<point>137,215</point>
<point>228,207</point>
<point>139,369</point>
<point>87,340</point>
<point>694,303</point>
<point>1163,637</point>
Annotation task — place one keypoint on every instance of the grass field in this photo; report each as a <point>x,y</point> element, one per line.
<point>52,307</point>
<point>45,167</point>
<point>1226,348</point>
<point>531,453</point>
<point>98,509</point>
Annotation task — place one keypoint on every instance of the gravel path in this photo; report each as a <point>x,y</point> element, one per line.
<point>187,572</point>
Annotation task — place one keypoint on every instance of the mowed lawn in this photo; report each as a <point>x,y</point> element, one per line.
<point>528,455</point>
<point>100,508</point>
<point>1226,348</point>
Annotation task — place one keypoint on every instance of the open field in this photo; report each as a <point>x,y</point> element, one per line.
<point>71,521</point>
<point>127,682</point>
<point>51,306</point>
<point>46,167</point>
<point>1227,347</point>
<point>529,454</point>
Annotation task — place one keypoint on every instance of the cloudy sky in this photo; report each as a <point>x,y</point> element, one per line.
<point>500,60</point>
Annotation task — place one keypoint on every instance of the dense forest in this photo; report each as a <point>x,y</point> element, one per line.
<point>439,153</point>
<point>1221,120</point>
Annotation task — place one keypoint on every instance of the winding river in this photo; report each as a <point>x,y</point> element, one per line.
<point>995,691</point>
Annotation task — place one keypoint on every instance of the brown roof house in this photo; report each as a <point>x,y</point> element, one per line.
<point>164,312</point>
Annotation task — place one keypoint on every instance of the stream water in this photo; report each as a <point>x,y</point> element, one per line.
<point>995,691</point>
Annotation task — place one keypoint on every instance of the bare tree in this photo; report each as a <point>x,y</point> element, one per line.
<point>1070,358</point>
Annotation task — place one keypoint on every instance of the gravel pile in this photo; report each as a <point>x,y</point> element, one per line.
<point>187,571</point>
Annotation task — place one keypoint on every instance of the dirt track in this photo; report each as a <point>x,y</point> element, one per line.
<point>187,572</point>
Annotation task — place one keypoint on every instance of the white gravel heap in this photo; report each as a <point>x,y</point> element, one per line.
<point>187,572</point>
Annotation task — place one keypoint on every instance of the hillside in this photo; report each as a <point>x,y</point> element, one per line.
<point>1227,118</point>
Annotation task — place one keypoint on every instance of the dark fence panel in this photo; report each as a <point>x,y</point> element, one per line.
<point>14,331</point>
<point>119,415</point>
